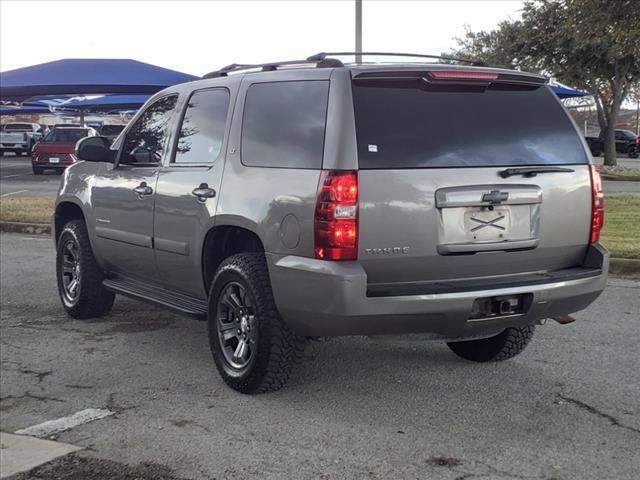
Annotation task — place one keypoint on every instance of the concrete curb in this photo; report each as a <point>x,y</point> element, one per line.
<point>30,228</point>
<point>620,178</point>
<point>624,267</point>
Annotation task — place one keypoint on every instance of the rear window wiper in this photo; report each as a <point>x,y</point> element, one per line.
<point>532,171</point>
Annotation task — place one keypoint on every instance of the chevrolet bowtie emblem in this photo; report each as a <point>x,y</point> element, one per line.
<point>495,197</point>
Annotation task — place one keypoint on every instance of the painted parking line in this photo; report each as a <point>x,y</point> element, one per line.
<point>15,175</point>
<point>13,193</point>
<point>62,424</point>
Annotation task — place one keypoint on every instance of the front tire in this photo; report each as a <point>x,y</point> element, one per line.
<point>79,276</point>
<point>253,349</point>
<point>503,346</point>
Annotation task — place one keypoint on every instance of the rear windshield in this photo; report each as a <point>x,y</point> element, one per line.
<point>401,126</point>
<point>59,135</point>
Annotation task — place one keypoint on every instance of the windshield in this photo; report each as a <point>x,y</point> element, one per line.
<point>60,135</point>
<point>17,127</point>
<point>111,129</point>
<point>404,126</point>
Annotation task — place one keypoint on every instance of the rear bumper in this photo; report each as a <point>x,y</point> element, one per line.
<point>319,298</point>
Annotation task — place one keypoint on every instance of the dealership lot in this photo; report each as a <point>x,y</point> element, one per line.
<point>356,408</point>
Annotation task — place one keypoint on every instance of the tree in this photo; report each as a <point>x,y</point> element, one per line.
<point>593,45</point>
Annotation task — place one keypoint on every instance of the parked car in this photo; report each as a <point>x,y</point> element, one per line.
<point>57,150</point>
<point>325,199</point>
<point>110,131</point>
<point>19,138</point>
<point>627,143</point>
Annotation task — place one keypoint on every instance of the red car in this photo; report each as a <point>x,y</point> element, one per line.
<point>57,150</point>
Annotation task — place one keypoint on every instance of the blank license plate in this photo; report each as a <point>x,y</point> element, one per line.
<point>54,160</point>
<point>484,225</point>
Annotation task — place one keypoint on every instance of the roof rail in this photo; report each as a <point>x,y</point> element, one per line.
<point>324,60</point>
<point>267,67</point>
<point>323,56</point>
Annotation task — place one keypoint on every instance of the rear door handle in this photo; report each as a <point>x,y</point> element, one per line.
<point>143,189</point>
<point>203,192</point>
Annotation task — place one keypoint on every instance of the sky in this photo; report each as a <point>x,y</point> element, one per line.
<point>197,37</point>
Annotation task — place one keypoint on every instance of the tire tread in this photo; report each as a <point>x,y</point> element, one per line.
<point>286,349</point>
<point>507,344</point>
<point>95,300</point>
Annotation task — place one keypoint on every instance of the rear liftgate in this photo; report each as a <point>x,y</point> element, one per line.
<point>487,218</point>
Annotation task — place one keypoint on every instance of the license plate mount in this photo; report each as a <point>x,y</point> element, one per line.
<point>54,160</point>
<point>487,224</point>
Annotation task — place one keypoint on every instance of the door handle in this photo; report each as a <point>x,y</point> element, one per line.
<point>143,189</point>
<point>203,192</point>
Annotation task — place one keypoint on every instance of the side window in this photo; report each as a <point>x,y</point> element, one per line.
<point>619,136</point>
<point>145,141</point>
<point>203,126</point>
<point>283,124</point>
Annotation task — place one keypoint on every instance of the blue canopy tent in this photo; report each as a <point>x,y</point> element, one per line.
<point>565,92</point>
<point>24,110</point>
<point>87,77</point>
<point>106,103</point>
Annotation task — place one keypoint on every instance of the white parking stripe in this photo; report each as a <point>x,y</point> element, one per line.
<point>13,193</point>
<point>52,427</point>
<point>14,175</point>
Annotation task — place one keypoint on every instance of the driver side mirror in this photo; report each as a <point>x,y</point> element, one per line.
<point>95,149</point>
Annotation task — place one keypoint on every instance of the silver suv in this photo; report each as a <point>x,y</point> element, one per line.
<point>317,198</point>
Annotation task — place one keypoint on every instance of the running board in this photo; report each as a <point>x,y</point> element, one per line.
<point>179,302</point>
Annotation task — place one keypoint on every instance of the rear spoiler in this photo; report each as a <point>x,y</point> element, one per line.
<point>453,76</point>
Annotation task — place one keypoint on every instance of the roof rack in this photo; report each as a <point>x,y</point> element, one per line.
<point>324,60</point>
<point>323,55</point>
<point>269,67</point>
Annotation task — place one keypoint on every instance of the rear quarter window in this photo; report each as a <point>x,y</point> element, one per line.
<point>283,124</point>
<point>402,126</point>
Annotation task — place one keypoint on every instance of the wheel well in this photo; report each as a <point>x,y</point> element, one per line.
<point>222,242</point>
<point>65,212</point>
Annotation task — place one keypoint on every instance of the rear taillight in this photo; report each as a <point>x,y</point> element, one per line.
<point>637,140</point>
<point>336,216</point>
<point>597,205</point>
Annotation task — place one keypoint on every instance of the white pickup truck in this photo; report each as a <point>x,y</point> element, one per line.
<point>19,137</point>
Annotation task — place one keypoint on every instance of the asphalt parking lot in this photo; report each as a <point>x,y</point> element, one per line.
<point>17,179</point>
<point>395,408</point>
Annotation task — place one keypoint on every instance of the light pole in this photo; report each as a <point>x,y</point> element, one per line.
<point>358,31</point>
<point>638,115</point>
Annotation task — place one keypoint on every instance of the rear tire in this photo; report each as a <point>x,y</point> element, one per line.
<point>632,152</point>
<point>503,346</point>
<point>86,298</point>
<point>37,171</point>
<point>242,309</point>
